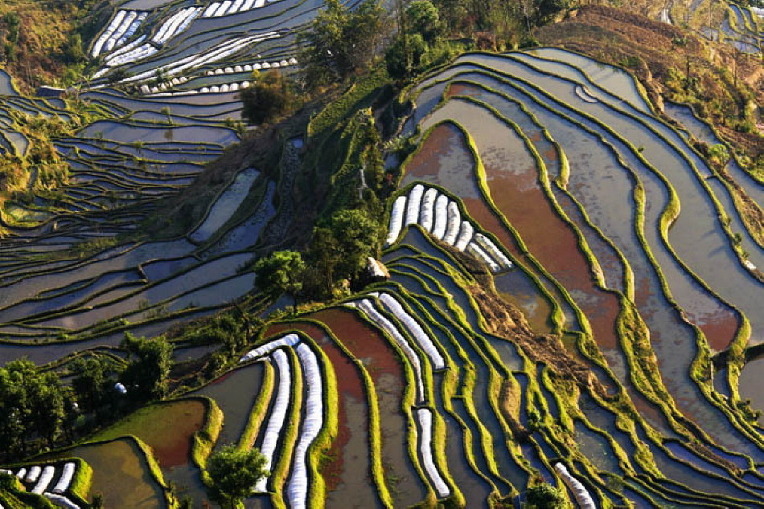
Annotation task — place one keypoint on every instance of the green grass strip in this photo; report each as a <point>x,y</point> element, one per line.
<point>259,409</point>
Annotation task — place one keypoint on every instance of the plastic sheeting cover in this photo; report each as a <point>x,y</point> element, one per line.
<point>453,223</point>
<point>441,217</point>
<point>278,414</point>
<point>288,340</point>
<point>425,449</point>
<point>61,501</point>
<point>416,330</point>
<point>427,208</point>
<point>45,478</point>
<point>475,250</point>
<point>491,248</point>
<point>297,487</point>
<point>396,219</point>
<point>66,477</point>
<point>367,307</point>
<point>465,236</point>
<point>582,495</point>
<point>414,202</point>
<point>33,474</point>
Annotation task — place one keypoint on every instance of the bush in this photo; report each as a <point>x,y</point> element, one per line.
<point>544,496</point>
<point>234,473</point>
<point>269,97</point>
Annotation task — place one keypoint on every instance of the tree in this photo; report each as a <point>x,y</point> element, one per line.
<point>90,382</point>
<point>47,400</point>
<point>32,404</point>
<point>718,154</point>
<point>268,97</point>
<point>279,273</point>
<point>358,237</point>
<point>544,496</point>
<point>233,473</point>
<point>341,42</point>
<point>546,10</point>
<point>72,49</point>
<point>424,18</point>
<point>421,31</point>
<point>340,247</point>
<point>147,374</point>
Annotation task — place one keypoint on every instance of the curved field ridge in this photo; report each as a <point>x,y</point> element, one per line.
<point>52,481</point>
<point>299,484</point>
<point>562,269</point>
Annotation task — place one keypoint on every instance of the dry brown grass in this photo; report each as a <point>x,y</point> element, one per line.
<point>660,56</point>
<point>44,29</point>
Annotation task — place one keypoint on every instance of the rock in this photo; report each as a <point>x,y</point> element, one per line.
<point>376,270</point>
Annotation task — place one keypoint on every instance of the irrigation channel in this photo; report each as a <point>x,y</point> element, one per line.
<point>561,272</point>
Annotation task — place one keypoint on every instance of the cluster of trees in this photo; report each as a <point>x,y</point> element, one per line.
<point>36,409</point>
<point>342,43</point>
<point>333,261</point>
<point>33,406</point>
<point>419,42</point>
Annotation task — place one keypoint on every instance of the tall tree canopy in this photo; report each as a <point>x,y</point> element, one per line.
<point>233,473</point>
<point>341,246</point>
<point>341,42</point>
<point>147,374</point>
<point>270,96</point>
<point>32,405</point>
<point>279,273</point>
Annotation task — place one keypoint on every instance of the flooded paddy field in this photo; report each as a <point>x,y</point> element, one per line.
<point>563,265</point>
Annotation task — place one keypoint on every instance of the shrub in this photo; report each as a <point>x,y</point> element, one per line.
<point>544,496</point>
<point>269,97</point>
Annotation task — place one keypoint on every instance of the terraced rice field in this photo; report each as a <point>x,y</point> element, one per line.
<point>186,49</point>
<point>577,184</point>
<point>563,266</point>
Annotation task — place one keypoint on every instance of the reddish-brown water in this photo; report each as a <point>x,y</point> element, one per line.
<point>512,179</point>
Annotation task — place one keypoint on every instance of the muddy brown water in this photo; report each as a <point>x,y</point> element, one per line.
<point>444,159</point>
<point>386,370</point>
<point>235,393</point>
<point>696,234</point>
<point>121,474</point>
<point>689,398</point>
<point>512,178</point>
<point>604,253</point>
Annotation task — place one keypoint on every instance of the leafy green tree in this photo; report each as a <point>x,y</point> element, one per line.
<point>32,405</point>
<point>14,407</point>
<point>341,42</point>
<point>544,496</point>
<point>423,18</point>
<point>47,401</point>
<point>421,31</point>
<point>404,57</point>
<point>339,248</point>
<point>233,473</point>
<point>279,273</point>
<point>147,373</point>
<point>90,382</point>
<point>718,154</point>
<point>72,49</point>
<point>358,237</point>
